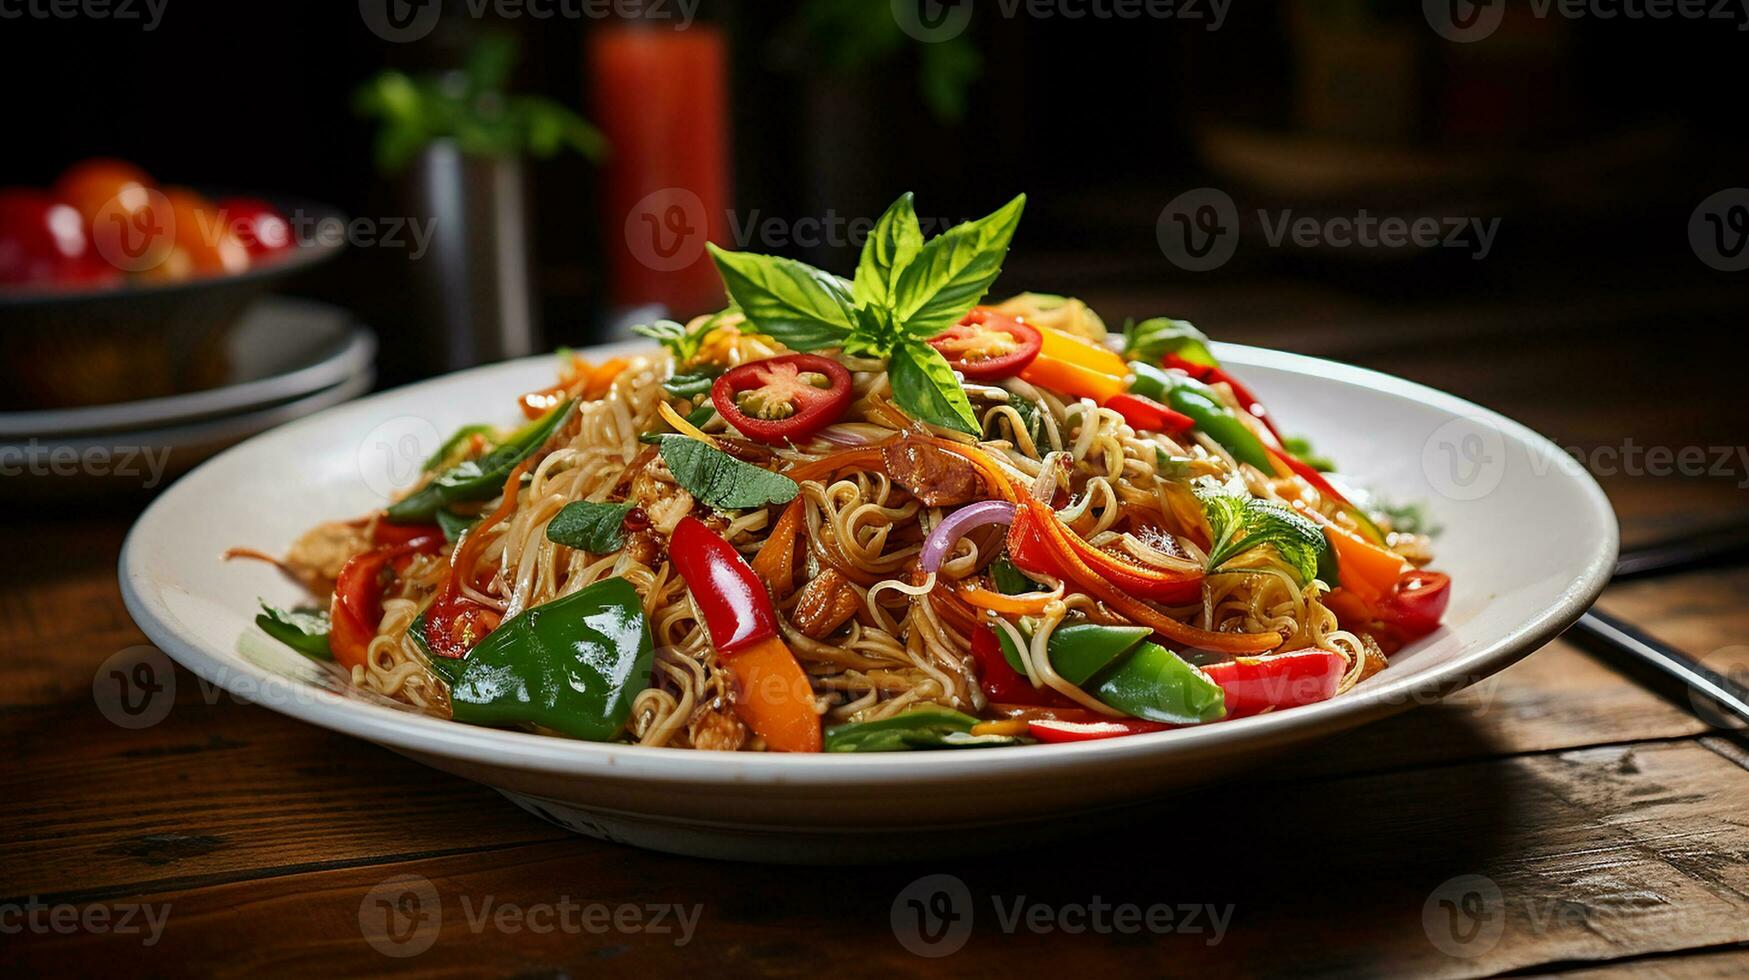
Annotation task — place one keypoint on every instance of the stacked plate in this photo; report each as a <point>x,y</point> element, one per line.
<point>287,359</point>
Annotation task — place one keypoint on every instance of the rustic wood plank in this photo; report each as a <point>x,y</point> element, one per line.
<point>1597,855</point>
<point>1728,963</point>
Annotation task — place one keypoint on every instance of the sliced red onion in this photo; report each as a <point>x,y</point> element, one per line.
<point>957,524</point>
<point>839,436</point>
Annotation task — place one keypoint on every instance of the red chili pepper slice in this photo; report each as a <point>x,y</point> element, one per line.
<point>783,399</point>
<point>1417,602</point>
<point>1253,684</point>
<point>736,608</point>
<point>1146,414</point>
<point>987,345</point>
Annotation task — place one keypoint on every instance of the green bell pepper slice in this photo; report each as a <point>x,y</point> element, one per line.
<point>483,478</point>
<point>919,728</point>
<point>1185,394</point>
<point>572,665</point>
<point>1081,650</point>
<point>1158,685</point>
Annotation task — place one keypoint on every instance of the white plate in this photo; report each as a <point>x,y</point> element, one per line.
<point>280,350</point>
<point>1529,541</point>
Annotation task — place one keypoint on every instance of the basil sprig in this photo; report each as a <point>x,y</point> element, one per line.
<point>1151,340</point>
<point>721,480</point>
<point>906,290</point>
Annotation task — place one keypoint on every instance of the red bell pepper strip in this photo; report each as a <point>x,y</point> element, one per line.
<point>773,696</point>
<point>385,533</point>
<point>1253,684</point>
<point>1000,681</point>
<point>735,605</point>
<point>357,606</point>
<point>1146,414</point>
<point>1086,731</point>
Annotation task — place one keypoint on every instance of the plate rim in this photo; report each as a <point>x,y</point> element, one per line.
<point>500,749</point>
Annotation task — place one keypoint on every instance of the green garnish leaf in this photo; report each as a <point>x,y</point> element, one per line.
<point>1240,524</point>
<point>919,728</point>
<point>1151,340</point>
<point>721,480</point>
<point>1301,447</point>
<point>952,272</point>
<point>894,243</point>
<point>1010,580</point>
<point>304,630</point>
<point>927,390</point>
<point>590,526</point>
<point>792,302</point>
<point>454,525</point>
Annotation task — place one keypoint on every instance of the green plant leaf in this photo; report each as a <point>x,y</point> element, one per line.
<point>1151,340</point>
<point>589,526</point>
<point>927,389</point>
<point>953,271</point>
<point>304,630</point>
<point>721,480</point>
<point>792,302</point>
<point>1239,524</point>
<point>895,241</point>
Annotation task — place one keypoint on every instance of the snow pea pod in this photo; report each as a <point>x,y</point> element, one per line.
<point>483,478</point>
<point>1191,397</point>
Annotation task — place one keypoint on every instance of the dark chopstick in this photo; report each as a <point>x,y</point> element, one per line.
<point>1639,653</point>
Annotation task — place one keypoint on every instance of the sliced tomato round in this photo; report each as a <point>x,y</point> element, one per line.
<point>987,345</point>
<point>783,399</point>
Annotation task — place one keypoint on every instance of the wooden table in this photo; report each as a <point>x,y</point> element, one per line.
<point>1556,818</point>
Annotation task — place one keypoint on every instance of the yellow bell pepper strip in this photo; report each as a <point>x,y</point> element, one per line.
<point>772,693</point>
<point>1077,367</point>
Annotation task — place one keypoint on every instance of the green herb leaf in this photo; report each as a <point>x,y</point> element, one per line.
<point>1010,580</point>
<point>892,245</point>
<point>1152,340</point>
<point>589,526</point>
<point>953,271</point>
<point>454,525</point>
<point>795,304</point>
<point>1240,524</point>
<point>919,728</point>
<point>304,630</point>
<point>927,390</point>
<point>1301,447</point>
<point>721,480</point>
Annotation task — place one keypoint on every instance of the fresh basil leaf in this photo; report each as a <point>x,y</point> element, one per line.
<point>590,526</point>
<point>454,525</point>
<point>1301,447</point>
<point>795,304</point>
<point>926,389</point>
<point>693,385</point>
<point>1241,524</point>
<point>953,271</point>
<point>304,630</point>
<point>894,242</point>
<point>671,335</point>
<point>919,728</point>
<point>721,480</point>
<point>1151,340</point>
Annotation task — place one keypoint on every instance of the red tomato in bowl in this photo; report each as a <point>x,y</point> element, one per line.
<point>261,228</point>
<point>204,244</point>
<point>90,185</point>
<point>43,241</point>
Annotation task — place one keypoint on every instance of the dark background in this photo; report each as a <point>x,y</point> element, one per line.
<point>1591,140</point>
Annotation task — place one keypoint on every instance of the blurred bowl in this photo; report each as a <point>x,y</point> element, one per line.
<point>102,345</point>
